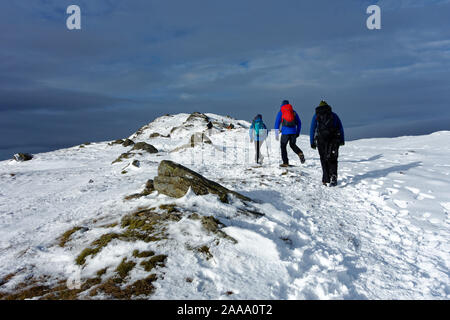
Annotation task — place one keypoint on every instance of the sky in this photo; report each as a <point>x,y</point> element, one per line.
<point>136,60</point>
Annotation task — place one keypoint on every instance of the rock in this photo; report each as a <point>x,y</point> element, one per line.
<point>199,138</point>
<point>147,190</point>
<point>174,180</point>
<point>118,141</point>
<point>197,116</point>
<point>145,146</point>
<point>23,157</point>
<point>128,142</point>
<point>136,163</point>
<point>125,155</point>
<point>156,135</point>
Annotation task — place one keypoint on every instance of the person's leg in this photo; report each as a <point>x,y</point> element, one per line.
<point>333,165</point>
<point>257,151</point>
<point>283,144</point>
<point>322,147</point>
<point>261,157</point>
<point>295,148</point>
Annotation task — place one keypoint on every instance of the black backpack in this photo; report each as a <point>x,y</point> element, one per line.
<point>326,128</point>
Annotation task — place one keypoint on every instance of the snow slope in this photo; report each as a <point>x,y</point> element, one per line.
<point>383,233</point>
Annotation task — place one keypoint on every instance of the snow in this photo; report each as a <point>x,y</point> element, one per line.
<point>382,233</point>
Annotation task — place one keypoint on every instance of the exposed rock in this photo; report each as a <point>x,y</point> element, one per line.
<point>23,157</point>
<point>149,188</point>
<point>174,180</point>
<point>125,155</point>
<point>197,116</point>
<point>199,138</point>
<point>127,143</point>
<point>156,135</point>
<point>144,146</point>
<point>118,141</point>
<point>136,163</point>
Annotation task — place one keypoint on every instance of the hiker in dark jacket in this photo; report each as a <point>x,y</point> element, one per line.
<point>290,131</point>
<point>327,134</point>
<point>258,133</point>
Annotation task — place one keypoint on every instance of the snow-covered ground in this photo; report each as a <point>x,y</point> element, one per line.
<point>383,233</point>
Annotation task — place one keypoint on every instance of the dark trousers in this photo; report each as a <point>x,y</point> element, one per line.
<point>291,139</point>
<point>258,154</point>
<point>329,152</point>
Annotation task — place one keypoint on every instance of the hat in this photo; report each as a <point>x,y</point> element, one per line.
<point>323,103</point>
<point>285,102</point>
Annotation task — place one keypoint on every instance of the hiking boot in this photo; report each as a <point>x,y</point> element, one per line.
<point>333,181</point>
<point>324,183</point>
<point>284,165</point>
<point>302,157</point>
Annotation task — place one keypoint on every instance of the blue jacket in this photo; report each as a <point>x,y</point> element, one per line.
<point>288,130</point>
<point>262,133</point>
<point>337,124</point>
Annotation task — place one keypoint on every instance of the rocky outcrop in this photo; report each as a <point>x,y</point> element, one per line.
<point>149,188</point>
<point>174,180</point>
<point>197,116</point>
<point>197,139</point>
<point>115,142</point>
<point>128,142</point>
<point>23,157</point>
<point>145,147</point>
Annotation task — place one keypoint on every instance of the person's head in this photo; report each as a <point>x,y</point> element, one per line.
<point>258,117</point>
<point>285,102</point>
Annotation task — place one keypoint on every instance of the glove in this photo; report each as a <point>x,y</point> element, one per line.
<point>276,135</point>
<point>342,143</point>
<point>298,135</point>
<point>313,146</point>
<point>251,140</point>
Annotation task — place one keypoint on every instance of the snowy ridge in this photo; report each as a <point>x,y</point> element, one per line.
<point>383,233</point>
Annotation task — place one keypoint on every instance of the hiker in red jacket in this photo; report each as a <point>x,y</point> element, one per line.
<point>290,131</point>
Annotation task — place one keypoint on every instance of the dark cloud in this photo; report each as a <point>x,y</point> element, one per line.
<point>138,59</point>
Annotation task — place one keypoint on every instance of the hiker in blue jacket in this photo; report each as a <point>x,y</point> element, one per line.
<point>258,133</point>
<point>327,134</point>
<point>290,131</point>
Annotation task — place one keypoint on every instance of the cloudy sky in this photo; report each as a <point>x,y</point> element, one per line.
<point>135,60</point>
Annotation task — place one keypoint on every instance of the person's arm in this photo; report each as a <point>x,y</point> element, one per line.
<point>277,125</point>
<point>341,129</point>
<point>299,124</point>
<point>312,131</point>
<point>278,121</point>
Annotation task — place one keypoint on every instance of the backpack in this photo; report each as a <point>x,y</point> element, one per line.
<point>326,127</point>
<point>259,127</point>
<point>288,116</point>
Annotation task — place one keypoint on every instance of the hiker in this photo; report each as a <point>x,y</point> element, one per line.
<point>290,131</point>
<point>258,133</point>
<point>209,127</point>
<point>327,134</point>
